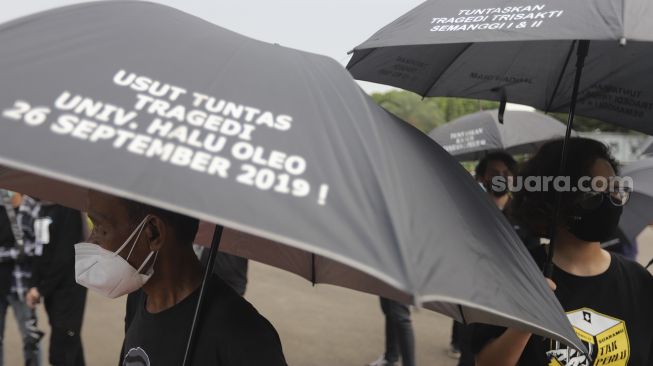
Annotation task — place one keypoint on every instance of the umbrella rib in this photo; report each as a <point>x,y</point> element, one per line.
<point>313,279</point>
<point>562,74</point>
<point>368,52</point>
<point>462,314</point>
<point>435,81</point>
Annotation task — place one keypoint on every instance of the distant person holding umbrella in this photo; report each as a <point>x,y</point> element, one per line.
<point>608,299</point>
<point>147,252</point>
<point>232,269</point>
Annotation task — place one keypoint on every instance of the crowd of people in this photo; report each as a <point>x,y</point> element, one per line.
<point>47,252</point>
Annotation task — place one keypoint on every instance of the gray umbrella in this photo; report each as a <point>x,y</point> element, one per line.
<point>523,52</point>
<point>589,58</point>
<point>471,136</point>
<point>647,148</point>
<point>148,103</point>
<point>638,212</point>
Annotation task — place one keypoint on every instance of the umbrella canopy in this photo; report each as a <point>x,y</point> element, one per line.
<point>522,52</point>
<point>151,104</point>
<point>647,148</point>
<point>638,212</point>
<point>472,136</point>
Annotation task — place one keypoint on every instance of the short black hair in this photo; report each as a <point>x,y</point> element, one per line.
<point>502,156</point>
<point>184,227</point>
<point>535,208</point>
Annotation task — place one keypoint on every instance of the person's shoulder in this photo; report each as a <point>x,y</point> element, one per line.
<point>629,264</point>
<point>227,304</point>
<point>234,313</point>
<point>632,269</point>
<point>242,326</point>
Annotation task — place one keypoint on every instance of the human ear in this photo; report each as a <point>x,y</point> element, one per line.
<point>155,232</point>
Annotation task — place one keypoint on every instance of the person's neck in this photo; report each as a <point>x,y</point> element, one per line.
<point>501,201</point>
<point>178,274</point>
<point>579,257</point>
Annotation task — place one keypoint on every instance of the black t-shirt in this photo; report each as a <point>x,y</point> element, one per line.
<point>612,313</point>
<point>232,332</point>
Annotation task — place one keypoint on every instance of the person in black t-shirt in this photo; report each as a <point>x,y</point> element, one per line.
<point>608,299</point>
<point>147,252</point>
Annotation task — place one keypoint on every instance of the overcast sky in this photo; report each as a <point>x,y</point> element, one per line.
<point>328,27</point>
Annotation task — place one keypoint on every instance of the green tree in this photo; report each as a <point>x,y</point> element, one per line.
<point>586,124</point>
<point>426,114</point>
<point>423,114</point>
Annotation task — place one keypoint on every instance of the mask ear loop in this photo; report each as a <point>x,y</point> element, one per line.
<point>156,255</point>
<point>137,232</point>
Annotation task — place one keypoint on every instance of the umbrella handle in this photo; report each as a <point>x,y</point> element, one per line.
<point>581,54</point>
<point>190,346</point>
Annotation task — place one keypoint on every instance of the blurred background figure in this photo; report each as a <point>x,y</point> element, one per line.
<point>494,164</point>
<point>15,272</point>
<point>399,336</point>
<point>230,268</point>
<point>54,230</point>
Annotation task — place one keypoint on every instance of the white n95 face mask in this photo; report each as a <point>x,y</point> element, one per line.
<point>107,272</point>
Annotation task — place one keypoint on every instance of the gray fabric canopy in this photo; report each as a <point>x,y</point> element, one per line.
<point>472,136</point>
<point>522,52</point>
<point>148,103</point>
<point>647,148</point>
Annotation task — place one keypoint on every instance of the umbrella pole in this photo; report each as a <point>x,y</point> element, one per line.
<point>581,53</point>
<point>215,243</point>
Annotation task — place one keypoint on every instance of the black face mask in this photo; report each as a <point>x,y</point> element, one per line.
<point>599,224</point>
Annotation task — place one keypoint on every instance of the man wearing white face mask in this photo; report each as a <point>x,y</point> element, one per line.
<point>147,252</point>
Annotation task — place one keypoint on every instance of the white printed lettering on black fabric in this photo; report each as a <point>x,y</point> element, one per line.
<point>484,19</point>
<point>184,128</point>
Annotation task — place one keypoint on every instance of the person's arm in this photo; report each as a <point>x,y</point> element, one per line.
<point>501,349</point>
<point>504,350</point>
